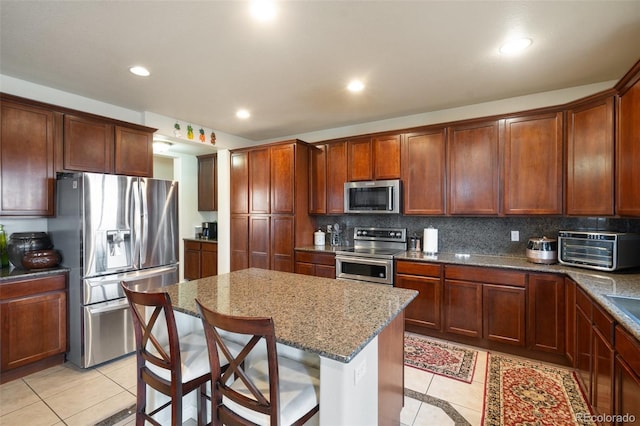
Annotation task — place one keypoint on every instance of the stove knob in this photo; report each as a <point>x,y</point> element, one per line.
<point>364,232</point>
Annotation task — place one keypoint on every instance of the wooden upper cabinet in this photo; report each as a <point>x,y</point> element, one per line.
<point>473,169</point>
<point>94,144</point>
<point>360,159</point>
<point>88,145</point>
<point>283,179</point>
<point>133,152</point>
<point>533,164</point>
<point>239,177</point>
<point>423,172</point>
<point>318,179</point>
<point>336,176</point>
<point>590,156</point>
<point>259,181</point>
<point>207,182</point>
<point>375,158</point>
<point>628,151</point>
<point>386,157</point>
<point>27,175</point>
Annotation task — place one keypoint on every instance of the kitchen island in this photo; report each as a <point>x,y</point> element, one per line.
<point>355,331</point>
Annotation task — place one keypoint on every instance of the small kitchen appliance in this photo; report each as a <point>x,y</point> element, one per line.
<point>375,196</point>
<point>370,259</point>
<point>601,250</point>
<point>210,230</point>
<point>542,250</point>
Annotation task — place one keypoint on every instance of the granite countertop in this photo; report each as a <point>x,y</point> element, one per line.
<point>333,318</point>
<point>200,240</point>
<point>597,284</point>
<point>10,274</point>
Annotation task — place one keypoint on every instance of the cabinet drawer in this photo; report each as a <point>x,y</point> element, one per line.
<point>316,257</point>
<point>583,302</point>
<point>212,247</point>
<point>604,323</point>
<point>32,286</point>
<point>485,275</point>
<point>629,348</point>
<point>191,245</point>
<point>418,268</point>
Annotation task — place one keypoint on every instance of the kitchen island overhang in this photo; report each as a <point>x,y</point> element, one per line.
<point>356,330</point>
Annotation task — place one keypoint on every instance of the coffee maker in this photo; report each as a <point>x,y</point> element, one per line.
<point>210,230</point>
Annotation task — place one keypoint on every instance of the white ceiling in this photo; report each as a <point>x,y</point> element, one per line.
<point>208,58</point>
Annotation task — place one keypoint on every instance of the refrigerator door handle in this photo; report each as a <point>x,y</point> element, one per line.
<point>111,306</point>
<point>144,222</point>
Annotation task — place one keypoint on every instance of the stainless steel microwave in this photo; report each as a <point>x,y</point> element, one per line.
<point>374,196</point>
<point>605,251</point>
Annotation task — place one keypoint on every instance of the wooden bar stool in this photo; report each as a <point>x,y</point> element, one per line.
<point>172,365</point>
<point>260,388</point>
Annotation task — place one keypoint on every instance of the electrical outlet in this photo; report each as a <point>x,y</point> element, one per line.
<point>515,235</point>
<point>359,372</point>
<point>329,228</point>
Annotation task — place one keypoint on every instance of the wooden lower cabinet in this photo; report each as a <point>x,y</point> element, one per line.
<point>426,309</point>
<point>546,313</point>
<point>463,308</point>
<point>503,314</point>
<point>583,341</point>
<point>33,336</point>
<point>627,377</point>
<point>200,259</point>
<point>315,263</point>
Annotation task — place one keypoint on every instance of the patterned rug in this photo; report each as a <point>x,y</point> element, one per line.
<point>440,358</point>
<point>520,392</point>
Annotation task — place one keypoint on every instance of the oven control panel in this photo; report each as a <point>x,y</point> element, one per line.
<point>380,234</point>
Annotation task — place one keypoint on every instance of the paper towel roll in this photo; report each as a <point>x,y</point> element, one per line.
<point>430,241</point>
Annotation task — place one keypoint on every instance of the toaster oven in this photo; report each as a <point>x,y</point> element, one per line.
<point>605,251</point>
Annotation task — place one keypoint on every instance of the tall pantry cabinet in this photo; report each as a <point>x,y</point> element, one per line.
<point>269,205</point>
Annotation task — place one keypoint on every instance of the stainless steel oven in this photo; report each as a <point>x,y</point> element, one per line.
<point>371,257</point>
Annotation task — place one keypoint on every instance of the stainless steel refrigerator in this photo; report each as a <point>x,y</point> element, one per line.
<point>109,229</point>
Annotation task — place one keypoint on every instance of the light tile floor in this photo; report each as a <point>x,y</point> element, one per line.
<point>67,395</point>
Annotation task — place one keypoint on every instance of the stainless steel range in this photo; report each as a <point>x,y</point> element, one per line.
<point>371,257</point>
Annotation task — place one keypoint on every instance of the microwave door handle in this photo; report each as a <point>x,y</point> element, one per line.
<point>390,196</point>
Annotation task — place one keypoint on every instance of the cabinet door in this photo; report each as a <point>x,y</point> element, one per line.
<point>33,328</point>
<point>590,174</point>
<point>570,320</point>
<point>360,159</point>
<point>88,145</point>
<point>318,179</point>
<point>191,260</point>
<point>336,176</point>
<point>209,260</point>
<point>463,308</point>
<point>305,268</point>
<point>282,178</point>
<point>473,169</point>
<point>207,183</point>
<point>282,230</point>
<point>627,391</point>
<point>423,173</point>
<point>628,153</point>
<point>503,314</point>
<point>602,375</point>
<point>27,176</point>
<point>546,311</point>
<point>239,242</point>
<point>533,164</point>
<point>386,157</point>
<point>239,178</point>
<point>133,152</point>
<point>583,342</point>
<point>259,181</point>
<point>259,242</point>
<point>426,309</point>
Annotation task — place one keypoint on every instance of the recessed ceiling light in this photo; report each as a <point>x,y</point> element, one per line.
<point>355,86</point>
<point>515,46</point>
<point>263,10</point>
<point>139,70</point>
<point>243,113</point>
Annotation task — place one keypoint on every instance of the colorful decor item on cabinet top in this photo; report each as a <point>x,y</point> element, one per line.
<point>213,138</point>
<point>176,130</point>
<point>189,131</point>
<point>201,137</point>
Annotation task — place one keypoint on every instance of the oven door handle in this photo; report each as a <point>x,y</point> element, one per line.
<point>365,260</point>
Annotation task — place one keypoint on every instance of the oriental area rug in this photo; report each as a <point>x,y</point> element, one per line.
<point>442,358</point>
<point>520,392</point>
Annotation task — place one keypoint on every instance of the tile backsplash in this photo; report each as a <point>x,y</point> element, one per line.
<point>481,235</point>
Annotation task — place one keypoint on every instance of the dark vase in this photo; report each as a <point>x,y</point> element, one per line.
<point>23,242</point>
